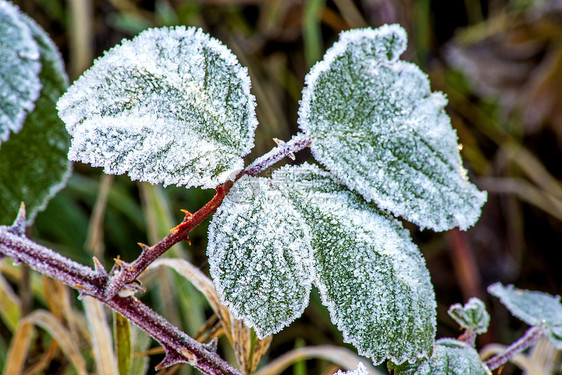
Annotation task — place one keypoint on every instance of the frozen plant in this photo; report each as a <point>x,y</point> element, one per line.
<point>174,106</point>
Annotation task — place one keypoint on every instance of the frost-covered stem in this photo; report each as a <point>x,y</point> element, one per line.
<point>127,273</point>
<point>179,346</point>
<point>93,282</point>
<point>469,337</point>
<point>527,340</point>
<point>283,150</point>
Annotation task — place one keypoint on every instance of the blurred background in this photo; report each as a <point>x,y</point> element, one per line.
<point>498,61</point>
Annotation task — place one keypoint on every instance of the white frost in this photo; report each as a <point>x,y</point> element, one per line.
<point>259,256</point>
<point>20,67</point>
<point>171,106</point>
<point>272,237</point>
<point>376,125</point>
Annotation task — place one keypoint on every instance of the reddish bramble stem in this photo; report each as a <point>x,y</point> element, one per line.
<point>129,272</point>
<point>179,346</point>
<point>109,288</point>
<point>527,340</point>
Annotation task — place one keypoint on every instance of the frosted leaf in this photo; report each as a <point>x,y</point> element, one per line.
<point>472,315</point>
<point>376,125</point>
<point>33,163</point>
<point>259,256</point>
<point>370,275</point>
<point>171,106</point>
<point>534,308</point>
<point>450,357</point>
<point>19,70</point>
<point>359,370</point>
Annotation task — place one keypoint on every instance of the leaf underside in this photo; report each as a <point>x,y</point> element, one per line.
<point>33,163</point>
<point>370,275</point>
<point>171,106</point>
<point>19,78</point>
<point>450,357</point>
<point>377,127</point>
<point>534,308</point>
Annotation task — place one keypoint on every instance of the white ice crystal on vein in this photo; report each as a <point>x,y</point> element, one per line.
<point>377,127</point>
<point>169,83</point>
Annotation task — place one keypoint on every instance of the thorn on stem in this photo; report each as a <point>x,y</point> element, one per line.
<point>18,227</point>
<point>119,262</point>
<point>143,246</point>
<point>100,269</point>
<point>213,345</point>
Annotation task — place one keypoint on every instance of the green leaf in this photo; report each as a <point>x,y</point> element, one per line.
<point>450,357</point>
<point>123,345</point>
<point>19,75</point>
<point>370,275</point>
<point>33,163</point>
<point>271,237</point>
<point>534,308</point>
<point>171,106</point>
<point>376,125</point>
<point>472,315</point>
<point>259,256</point>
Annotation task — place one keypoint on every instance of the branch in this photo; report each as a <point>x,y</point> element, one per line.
<point>527,340</point>
<point>283,149</point>
<point>117,289</point>
<point>94,282</point>
<point>125,274</point>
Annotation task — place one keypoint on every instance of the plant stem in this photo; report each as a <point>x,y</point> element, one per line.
<point>128,272</point>
<point>94,282</point>
<point>528,339</point>
<point>117,289</point>
<point>283,150</point>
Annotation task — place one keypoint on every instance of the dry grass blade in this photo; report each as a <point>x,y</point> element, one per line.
<point>340,356</point>
<point>58,299</point>
<point>526,192</point>
<point>519,360</point>
<point>248,349</point>
<point>545,355</point>
<point>201,282</point>
<point>17,353</point>
<point>19,346</point>
<point>102,344</point>
<point>9,305</point>
<point>533,168</point>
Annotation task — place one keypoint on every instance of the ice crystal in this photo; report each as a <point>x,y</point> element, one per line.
<point>370,275</point>
<point>534,308</point>
<point>472,315</point>
<point>450,357</point>
<point>377,126</point>
<point>359,370</point>
<point>259,256</point>
<point>20,66</point>
<point>171,106</point>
